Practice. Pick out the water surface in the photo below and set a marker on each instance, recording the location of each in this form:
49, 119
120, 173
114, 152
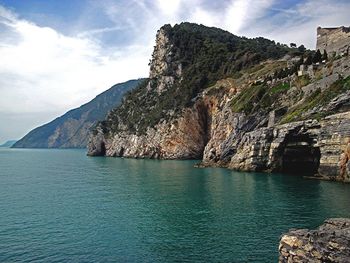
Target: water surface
61, 206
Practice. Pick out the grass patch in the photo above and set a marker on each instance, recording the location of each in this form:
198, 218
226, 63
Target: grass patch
281, 87
317, 99
252, 99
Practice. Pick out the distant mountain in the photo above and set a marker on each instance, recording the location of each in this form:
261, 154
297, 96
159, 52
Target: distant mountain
71, 130
8, 144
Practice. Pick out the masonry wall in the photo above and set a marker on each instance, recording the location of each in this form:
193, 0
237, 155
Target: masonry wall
333, 40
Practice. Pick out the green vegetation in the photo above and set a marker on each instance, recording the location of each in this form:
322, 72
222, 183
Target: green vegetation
258, 97
302, 81
283, 86
317, 57
317, 99
206, 55
252, 99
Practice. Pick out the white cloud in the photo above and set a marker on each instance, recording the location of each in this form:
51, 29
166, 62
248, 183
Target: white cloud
45, 69
204, 17
169, 7
298, 24
44, 73
236, 15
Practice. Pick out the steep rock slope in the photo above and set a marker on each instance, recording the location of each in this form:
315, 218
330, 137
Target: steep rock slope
237, 103
166, 117
303, 129
71, 129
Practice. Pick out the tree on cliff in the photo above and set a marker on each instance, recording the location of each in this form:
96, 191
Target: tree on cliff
317, 57
308, 60
325, 56
302, 48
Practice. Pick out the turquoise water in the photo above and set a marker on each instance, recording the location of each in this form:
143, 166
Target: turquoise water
61, 206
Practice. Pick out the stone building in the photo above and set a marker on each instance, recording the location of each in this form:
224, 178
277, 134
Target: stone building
334, 40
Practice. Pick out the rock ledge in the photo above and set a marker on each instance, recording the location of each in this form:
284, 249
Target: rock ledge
329, 243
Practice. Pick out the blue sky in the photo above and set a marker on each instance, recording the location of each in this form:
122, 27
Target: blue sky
57, 55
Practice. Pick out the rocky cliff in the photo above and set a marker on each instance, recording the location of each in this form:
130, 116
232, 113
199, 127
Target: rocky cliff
71, 130
307, 130
168, 116
236, 103
329, 243
333, 40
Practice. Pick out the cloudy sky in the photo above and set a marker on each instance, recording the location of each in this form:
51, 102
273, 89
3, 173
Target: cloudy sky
57, 55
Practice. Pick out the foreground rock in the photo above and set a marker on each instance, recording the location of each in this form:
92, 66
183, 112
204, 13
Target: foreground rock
329, 243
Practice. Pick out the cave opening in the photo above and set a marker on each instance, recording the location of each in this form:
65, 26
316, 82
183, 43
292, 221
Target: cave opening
103, 149
121, 152
300, 156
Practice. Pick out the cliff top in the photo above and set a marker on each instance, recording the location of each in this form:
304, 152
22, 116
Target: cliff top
187, 58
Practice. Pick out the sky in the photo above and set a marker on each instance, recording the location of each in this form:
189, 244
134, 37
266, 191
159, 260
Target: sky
57, 55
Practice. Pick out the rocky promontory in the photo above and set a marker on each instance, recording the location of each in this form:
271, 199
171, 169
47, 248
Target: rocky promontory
329, 243
244, 104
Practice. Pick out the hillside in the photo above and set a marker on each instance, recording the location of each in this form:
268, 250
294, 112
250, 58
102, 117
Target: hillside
187, 59
71, 129
8, 144
245, 104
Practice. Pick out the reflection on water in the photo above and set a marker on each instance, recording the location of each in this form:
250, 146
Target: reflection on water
59, 205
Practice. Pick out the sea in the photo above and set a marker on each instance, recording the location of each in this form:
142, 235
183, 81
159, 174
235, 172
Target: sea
63, 206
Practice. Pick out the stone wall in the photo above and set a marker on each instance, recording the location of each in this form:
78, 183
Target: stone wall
333, 39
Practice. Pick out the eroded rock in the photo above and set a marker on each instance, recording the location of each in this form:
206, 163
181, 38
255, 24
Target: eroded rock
329, 243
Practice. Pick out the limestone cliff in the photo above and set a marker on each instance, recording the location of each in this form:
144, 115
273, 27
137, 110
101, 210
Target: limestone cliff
168, 116
71, 130
316, 144
333, 40
223, 99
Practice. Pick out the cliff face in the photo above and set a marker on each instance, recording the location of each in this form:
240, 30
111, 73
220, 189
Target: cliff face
255, 116
169, 116
71, 130
329, 243
335, 40
183, 137
316, 145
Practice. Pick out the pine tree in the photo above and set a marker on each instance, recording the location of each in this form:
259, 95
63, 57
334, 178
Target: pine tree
302, 48
308, 60
317, 57
325, 55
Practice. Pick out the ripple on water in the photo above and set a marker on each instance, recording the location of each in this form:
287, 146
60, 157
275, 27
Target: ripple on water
61, 206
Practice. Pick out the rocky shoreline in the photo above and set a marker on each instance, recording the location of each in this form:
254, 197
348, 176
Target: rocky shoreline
252, 121
329, 243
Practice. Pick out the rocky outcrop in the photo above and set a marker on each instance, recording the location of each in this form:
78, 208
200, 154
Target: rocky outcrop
171, 116
72, 129
181, 138
329, 243
310, 147
333, 40
163, 70
251, 121
313, 147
